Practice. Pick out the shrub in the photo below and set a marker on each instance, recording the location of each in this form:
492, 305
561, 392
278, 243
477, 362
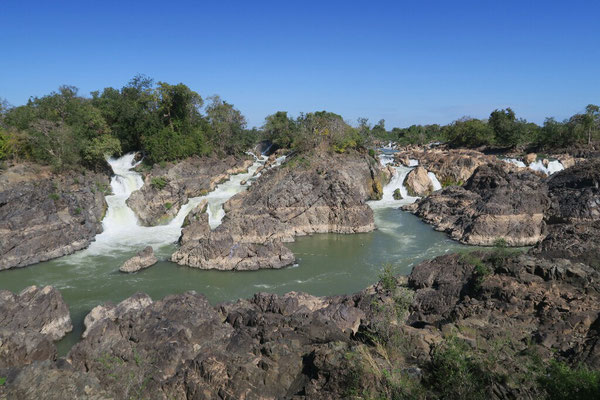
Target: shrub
449, 181
372, 153
54, 196
457, 374
562, 382
159, 182
2, 380
397, 194
387, 279
168, 205
77, 211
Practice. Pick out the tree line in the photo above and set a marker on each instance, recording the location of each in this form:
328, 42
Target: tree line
168, 122
502, 129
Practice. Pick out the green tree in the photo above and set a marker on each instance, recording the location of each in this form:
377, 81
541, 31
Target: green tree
280, 129
469, 132
227, 127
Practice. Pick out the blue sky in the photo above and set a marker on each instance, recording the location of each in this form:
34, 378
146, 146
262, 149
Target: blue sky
404, 61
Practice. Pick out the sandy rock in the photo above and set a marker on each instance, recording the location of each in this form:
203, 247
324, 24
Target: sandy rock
418, 183
144, 259
530, 158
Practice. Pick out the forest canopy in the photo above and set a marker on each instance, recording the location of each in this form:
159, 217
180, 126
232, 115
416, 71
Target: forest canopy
168, 122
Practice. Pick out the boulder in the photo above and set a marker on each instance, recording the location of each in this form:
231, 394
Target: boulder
530, 158
418, 183
144, 259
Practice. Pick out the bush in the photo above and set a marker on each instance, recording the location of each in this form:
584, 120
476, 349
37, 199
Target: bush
397, 194
159, 182
562, 382
168, 205
387, 279
457, 374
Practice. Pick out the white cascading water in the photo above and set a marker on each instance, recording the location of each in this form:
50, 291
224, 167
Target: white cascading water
436, 183
121, 230
553, 166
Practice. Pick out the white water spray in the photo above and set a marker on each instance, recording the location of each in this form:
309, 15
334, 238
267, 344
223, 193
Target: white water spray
121, 230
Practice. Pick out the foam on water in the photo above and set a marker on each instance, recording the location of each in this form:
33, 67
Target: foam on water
121, 229
436, 183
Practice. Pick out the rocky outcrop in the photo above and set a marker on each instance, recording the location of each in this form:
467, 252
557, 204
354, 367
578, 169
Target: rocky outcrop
493, 204
166, 188
182, 347
143, 259
29, 324
451, 166
418, 183
44, 215
555, 303
301, 346
316, 194
574, 215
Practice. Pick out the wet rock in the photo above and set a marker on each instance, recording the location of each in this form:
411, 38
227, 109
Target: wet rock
144, 259
44, 215
493, 204
397, 194
418, 183
196, 214
174, 183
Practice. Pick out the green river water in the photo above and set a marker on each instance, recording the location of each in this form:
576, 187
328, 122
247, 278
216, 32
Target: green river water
327, 264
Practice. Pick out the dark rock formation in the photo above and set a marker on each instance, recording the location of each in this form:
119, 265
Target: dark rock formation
167, 188
493, 204
29, 323
317, 194
302, 346
574, 215
143, 259
45, 215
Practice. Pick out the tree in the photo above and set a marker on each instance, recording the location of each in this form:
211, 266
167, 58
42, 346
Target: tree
280, 129
592, 120
227, 127
506, 127
469, 132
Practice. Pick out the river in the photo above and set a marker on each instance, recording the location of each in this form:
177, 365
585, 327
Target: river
327, 264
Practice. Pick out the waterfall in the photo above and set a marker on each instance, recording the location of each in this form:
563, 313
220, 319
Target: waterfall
436, 183
538, 165
553, 166
122, 232
396, 182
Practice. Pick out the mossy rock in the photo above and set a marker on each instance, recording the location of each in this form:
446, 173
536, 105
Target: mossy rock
397, 194
377, 190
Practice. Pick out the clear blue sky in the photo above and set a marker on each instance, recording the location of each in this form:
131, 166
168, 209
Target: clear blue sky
404, 61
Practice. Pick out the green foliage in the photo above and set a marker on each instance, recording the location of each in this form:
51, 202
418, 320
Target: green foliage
2, 380
97, 149
468, 132
387, 278
456, 374
280, 129
372, 153
397, 194
54, 196
77, 211
159, 182
449, 181
168, 205
562, 382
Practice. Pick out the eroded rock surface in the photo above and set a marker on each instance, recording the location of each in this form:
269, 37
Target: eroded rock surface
318, 194
167, 188
493, 204
44, 215
29, 324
